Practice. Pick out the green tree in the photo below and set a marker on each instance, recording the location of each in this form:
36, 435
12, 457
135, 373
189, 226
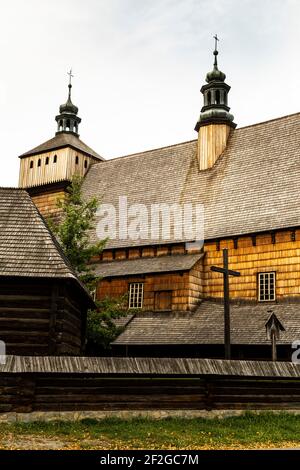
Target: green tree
72, 228
73, 225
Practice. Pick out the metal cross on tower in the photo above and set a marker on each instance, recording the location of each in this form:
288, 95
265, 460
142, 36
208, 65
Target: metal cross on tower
216, 41
226, 273
70, 77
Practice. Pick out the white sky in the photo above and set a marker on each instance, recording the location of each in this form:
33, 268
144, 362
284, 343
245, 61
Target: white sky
138, 66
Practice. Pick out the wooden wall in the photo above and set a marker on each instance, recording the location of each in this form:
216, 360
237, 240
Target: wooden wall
177, 283
196, 291
39, 316
75, 392
47, 202
212, 140
278, 253
63, 169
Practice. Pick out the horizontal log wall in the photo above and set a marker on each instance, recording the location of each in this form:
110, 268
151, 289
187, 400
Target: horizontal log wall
278, 253
27, 323
71, 392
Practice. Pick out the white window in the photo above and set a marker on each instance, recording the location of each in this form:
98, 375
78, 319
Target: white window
266, 287
136, 294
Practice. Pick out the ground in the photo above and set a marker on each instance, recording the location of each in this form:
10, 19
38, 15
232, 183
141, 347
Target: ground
249, 431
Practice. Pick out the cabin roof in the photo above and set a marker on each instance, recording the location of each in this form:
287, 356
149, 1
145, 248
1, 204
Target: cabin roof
253, 187
27, 247
158, 264
62, 140
206, 325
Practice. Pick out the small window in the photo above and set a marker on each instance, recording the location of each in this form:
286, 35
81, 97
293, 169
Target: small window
47, 161
39, 162
31, 164
266, 287
136, 295
55, 159
76, 160
85, 163
208, 98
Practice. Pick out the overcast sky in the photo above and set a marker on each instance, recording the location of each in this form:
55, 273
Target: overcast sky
138, 66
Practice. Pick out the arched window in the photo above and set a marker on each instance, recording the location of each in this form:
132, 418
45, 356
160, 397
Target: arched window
60, 125
76, 160
68, 125
55, 159
39, 162
85, 164
47, 161
217, 100
208, 98
31, 164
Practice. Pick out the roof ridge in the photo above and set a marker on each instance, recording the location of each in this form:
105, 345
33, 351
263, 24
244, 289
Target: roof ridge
150, 150
268, 120
15, 188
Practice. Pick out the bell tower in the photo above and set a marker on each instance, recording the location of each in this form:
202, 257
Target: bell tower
46, 170
67, 119
215, 122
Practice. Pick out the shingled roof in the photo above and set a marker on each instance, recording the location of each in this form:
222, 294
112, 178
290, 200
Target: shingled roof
206, 325
27, 248
253, 187
60, 141
159, 264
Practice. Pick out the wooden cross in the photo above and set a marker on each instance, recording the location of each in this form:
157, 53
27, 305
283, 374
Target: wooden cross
273, 329
216, 42
226, 273
70, 77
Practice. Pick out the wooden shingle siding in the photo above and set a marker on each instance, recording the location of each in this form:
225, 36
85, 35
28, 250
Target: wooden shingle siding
283, 257
177, 283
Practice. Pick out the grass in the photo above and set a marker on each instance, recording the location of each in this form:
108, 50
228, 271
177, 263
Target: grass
248, 431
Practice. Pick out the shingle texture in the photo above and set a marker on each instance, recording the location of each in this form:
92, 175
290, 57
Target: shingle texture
26, 246
254, 185
62, 140
147, 265
206, 325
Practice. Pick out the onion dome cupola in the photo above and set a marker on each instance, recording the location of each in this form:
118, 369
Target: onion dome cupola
67, 119
215, 93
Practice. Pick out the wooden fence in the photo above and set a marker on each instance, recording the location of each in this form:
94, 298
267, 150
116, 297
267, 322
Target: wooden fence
76, 384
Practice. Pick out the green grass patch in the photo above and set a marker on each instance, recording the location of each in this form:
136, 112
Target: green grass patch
247, 431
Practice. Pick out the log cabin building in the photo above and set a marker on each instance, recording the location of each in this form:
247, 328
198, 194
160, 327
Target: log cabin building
43, 305
246, 178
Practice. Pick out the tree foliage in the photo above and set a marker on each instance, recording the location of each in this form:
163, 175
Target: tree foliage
72, 228
101, 328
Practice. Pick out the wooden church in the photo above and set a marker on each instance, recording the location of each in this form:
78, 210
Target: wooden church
247, 180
